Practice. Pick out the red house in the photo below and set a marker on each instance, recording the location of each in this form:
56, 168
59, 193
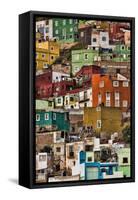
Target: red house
86, 72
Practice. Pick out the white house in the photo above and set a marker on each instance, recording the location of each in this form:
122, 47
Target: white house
45, 27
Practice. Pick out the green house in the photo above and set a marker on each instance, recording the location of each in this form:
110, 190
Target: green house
65, 30
124, 161
121, 53
83, 57
53, 120
44, 104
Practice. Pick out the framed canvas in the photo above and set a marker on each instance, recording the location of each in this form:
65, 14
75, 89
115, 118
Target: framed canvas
76, 99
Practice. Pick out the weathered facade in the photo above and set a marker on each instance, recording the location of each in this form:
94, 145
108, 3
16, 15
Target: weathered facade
101, 118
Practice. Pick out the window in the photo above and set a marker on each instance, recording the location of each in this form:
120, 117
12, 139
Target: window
58, 149
72, 129
56, 23
70, 36
101, 84
85, 104
47, 22
45, 65
125, 83
89, 159
117, 101
71, 29
52, 48
37, 117
88, 147
54, 116
64, 22
47, 29
94, 40
43, 55
108, 99
52, 57
42, 157
56, 31
98, 108
82, 34
125, 103
86, 56
75, 29
71, 99
125, 160
70, 21
59, 100
66, 116
117, 95
98, 123
71, 152
46, 116
103, 38
99, 99
116, 83
122, 47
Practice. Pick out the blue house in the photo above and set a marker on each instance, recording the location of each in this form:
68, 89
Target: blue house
53, 120
98, 170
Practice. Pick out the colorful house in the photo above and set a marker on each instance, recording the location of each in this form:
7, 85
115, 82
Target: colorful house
121, 53
41, 166
85, 31
65, 30
46, 53
53, 120
101, 118
124, 159
111, 91
100, 39
44, 104
83, 57
90, 170
45, 27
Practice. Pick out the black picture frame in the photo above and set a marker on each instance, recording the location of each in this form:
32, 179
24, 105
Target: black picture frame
27, 99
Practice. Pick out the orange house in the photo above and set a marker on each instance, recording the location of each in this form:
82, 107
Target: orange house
111, 91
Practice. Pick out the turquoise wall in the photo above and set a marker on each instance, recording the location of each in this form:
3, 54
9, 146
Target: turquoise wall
60, 121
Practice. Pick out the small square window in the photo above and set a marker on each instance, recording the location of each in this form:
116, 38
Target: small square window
58, 149
89, 159
125, 83
116, 83
125, 160
103, 38
43, 55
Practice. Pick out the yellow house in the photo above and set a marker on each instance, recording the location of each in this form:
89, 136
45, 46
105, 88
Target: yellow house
46, 53
104, 120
